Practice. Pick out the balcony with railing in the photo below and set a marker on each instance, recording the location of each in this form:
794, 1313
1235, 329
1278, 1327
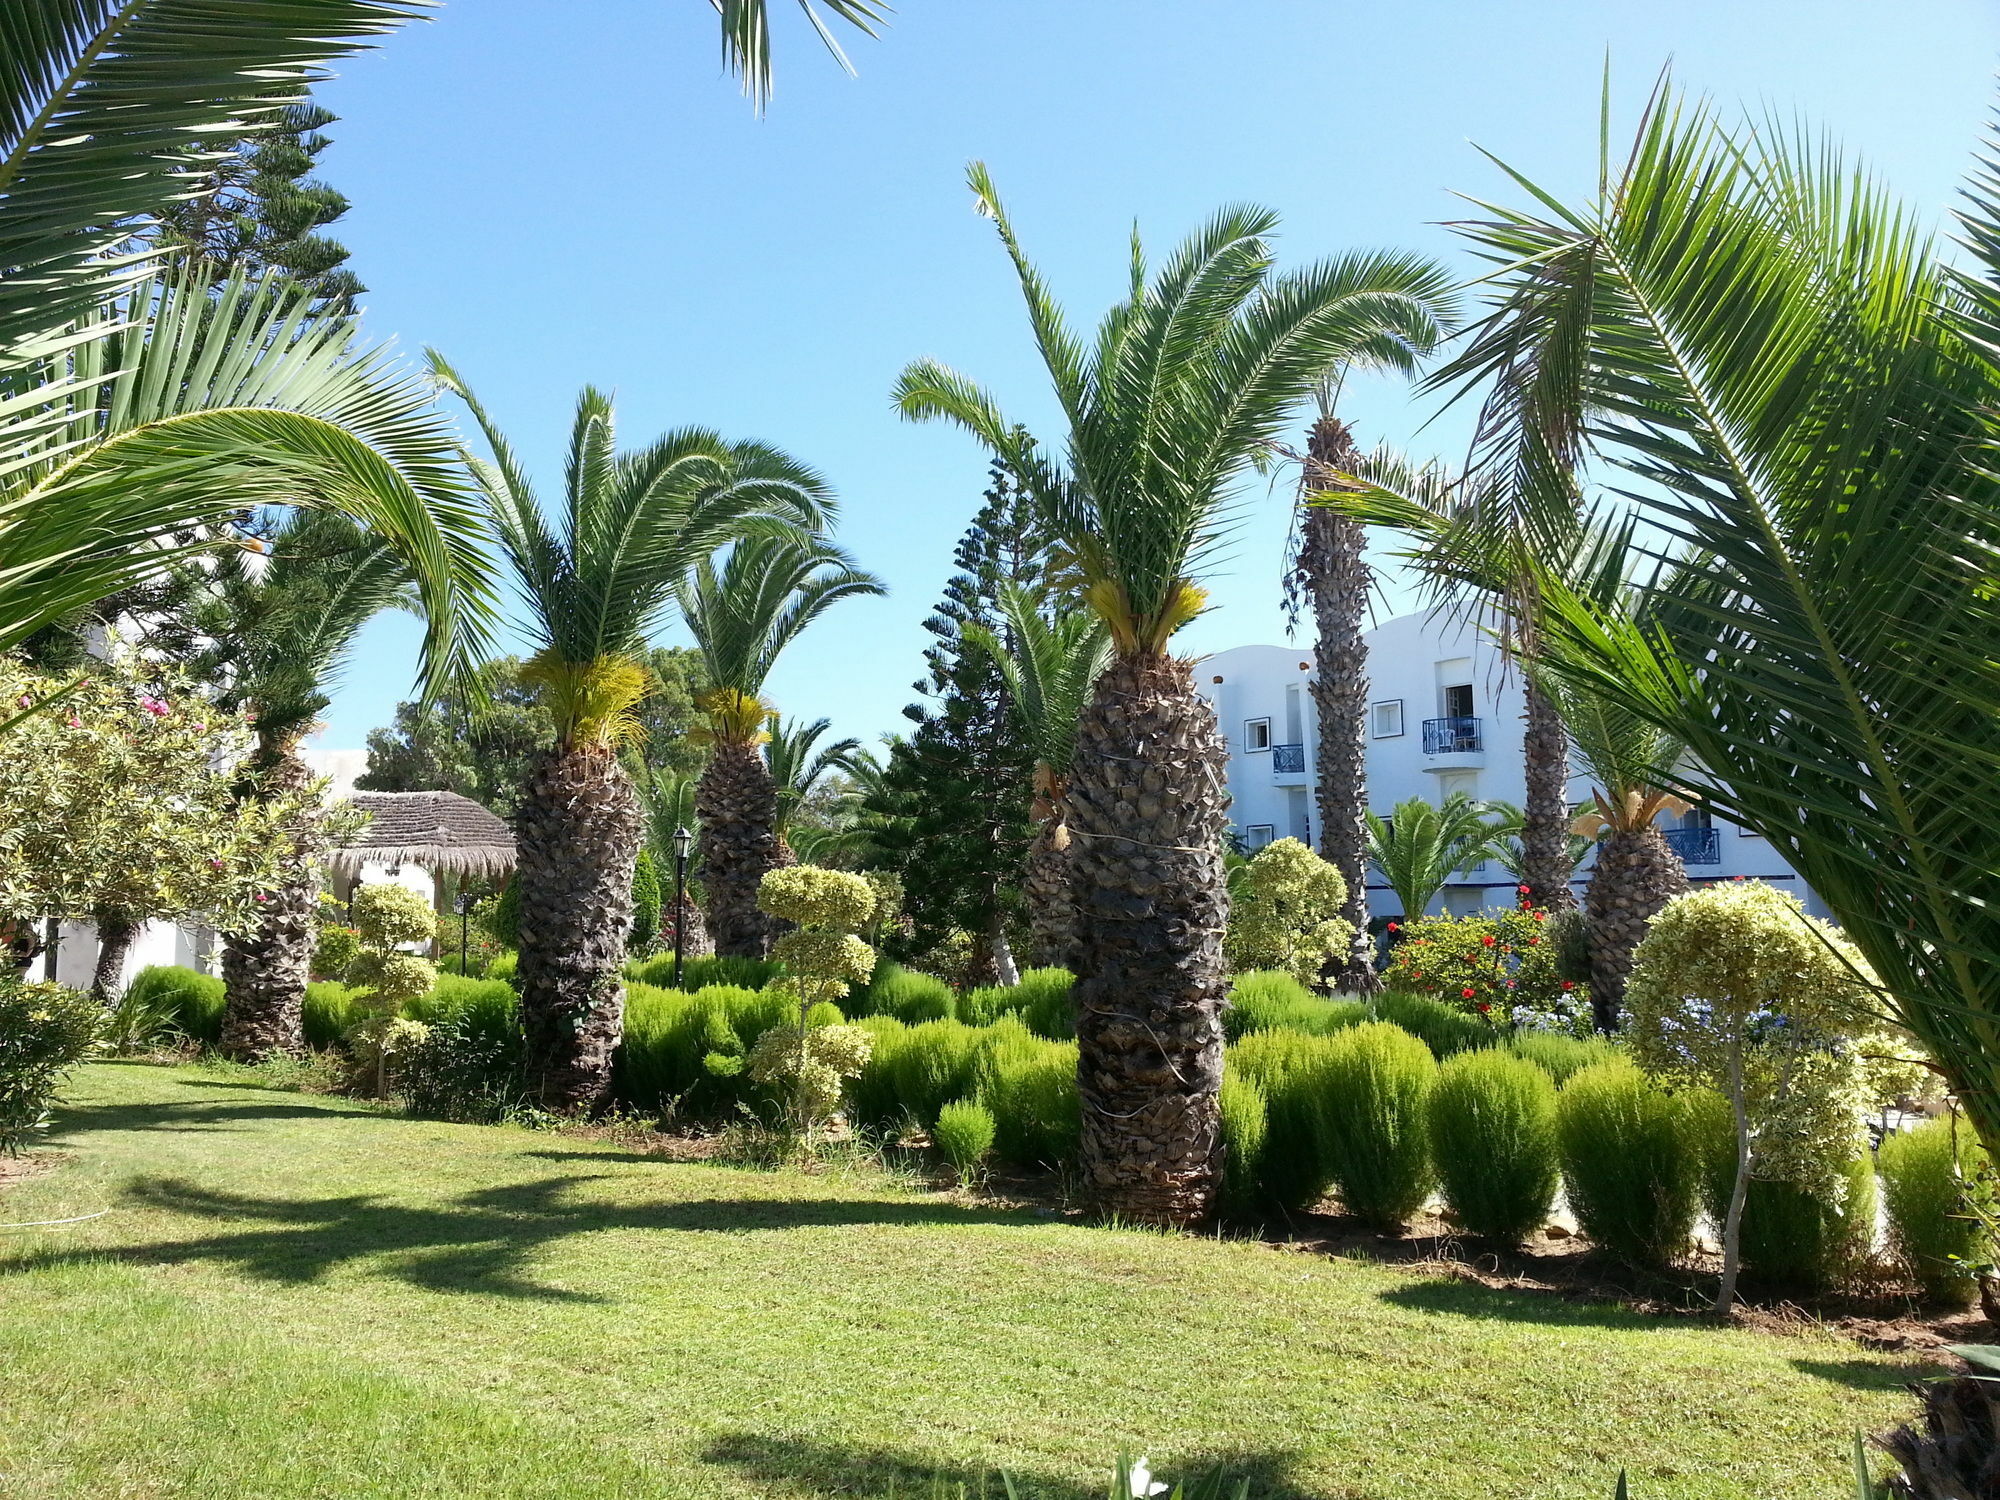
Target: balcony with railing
1454, 744
1288, 760
1695, 846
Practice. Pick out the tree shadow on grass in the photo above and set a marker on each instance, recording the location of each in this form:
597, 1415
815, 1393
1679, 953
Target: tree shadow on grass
1471, 1299
823, 1469
476, 1243
1870, 1375
187, 1114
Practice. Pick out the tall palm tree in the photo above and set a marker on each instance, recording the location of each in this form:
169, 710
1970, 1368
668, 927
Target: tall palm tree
666, 807
593, 581
1187, 385
1049, 660
743, 615
283, 627
798, 764
1805, 385
1420, 846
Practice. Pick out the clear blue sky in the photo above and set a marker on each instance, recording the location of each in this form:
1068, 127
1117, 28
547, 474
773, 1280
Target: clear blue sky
556, 194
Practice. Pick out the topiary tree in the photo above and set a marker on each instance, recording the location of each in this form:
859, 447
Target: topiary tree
386, 917
823, 958
646, 899
1285, 914
1735, 988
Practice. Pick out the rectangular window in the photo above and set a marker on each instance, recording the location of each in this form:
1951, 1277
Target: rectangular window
1386, 719
1458, 701
1257, 835
1257, 734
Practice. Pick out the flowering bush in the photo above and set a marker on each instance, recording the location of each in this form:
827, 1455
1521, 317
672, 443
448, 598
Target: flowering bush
124, 803
1284, 913
45, 1030
1735, 988
1500, 965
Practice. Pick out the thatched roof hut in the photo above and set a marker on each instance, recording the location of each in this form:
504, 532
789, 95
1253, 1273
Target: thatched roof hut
441, 832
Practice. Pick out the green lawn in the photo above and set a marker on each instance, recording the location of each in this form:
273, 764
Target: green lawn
294, 1296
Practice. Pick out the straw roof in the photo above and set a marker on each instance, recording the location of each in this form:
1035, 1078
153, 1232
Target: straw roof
439, 831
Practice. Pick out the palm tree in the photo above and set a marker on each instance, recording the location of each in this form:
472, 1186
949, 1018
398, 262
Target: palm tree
593, 583
797, 768
1805, 386
282, 633
743, 615
1187, 386
666, 807
1049, 662
1419, 847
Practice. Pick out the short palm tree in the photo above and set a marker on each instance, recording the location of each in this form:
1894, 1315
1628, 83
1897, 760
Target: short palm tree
1803, 385
594, 580
1186, 386
1049, 660
798, 763
281, 633
743, 614
666, 807
1420, 846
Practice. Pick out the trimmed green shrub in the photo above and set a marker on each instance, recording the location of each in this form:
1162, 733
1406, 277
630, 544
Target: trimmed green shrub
646, 899
696, 973
1270, 1000
1493, 1138
1441, 1028
909, 996
871, 1095
690, 1047
933, 1065
1289, 1068
503, 918
504, 966
1928, 1178
195, 1001
1246, 1128
987, 1004
1801, 1238
963, 1135
1559, 1056
1029, 1083
1631, 1162
1045, 1003
329, 1013
1378, 1081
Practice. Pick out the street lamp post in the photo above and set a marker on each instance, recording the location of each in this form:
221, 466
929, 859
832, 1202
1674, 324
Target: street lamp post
463, 902
682, 840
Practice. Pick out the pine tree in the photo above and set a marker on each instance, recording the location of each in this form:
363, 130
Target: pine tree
957, 789
263, 209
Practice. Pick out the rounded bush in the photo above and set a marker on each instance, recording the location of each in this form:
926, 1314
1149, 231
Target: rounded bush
910, 997
329, 1013
1630, 1160
192, 1001
1378, 1082
1493, 1138
1029, 1083
871, 1094
1271, 1000
1443, 1029
963, 1135
1289, 1068
387, 916
816, 897
1928, 1178
1045, 1003
933, 1065
1560, 1056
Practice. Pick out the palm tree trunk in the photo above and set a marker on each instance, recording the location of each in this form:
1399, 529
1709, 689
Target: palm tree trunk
1046, 885
115, 932
1636, 875
577, 837
1333, 570
1545, 817
736, 803
1147, 808
264, 972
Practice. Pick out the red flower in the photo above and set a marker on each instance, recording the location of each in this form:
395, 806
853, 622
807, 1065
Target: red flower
1416, 976
1523, 890
1510, 984
1488, 940
1465, 994
1569, 984
1541, 916
1484, 1008
1740, 877
1394, 928
1534, 940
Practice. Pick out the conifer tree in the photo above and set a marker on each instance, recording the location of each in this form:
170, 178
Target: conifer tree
959, 784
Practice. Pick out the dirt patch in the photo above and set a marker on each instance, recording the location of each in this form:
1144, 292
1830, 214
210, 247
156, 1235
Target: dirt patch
15, 1169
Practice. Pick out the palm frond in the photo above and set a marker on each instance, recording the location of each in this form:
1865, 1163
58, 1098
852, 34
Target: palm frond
746, 35
1420, 846
1049, 662
797, 767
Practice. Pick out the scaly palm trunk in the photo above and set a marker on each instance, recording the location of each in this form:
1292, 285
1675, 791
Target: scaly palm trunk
264, 972
577, 839
1636, 875
1147, 808
1333, 569
1545, 816
736, 803
1047, 888
115, 932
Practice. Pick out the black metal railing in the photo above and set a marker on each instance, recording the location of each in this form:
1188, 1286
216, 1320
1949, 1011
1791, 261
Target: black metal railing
1695, 846
1451, 736
1287, 759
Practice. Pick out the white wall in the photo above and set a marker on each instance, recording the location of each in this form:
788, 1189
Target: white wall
1413, 659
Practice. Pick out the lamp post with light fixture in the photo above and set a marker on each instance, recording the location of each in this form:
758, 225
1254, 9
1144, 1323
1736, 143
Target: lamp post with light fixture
683, 840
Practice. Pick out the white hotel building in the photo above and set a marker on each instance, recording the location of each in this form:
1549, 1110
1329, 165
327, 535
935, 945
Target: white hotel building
1444, 716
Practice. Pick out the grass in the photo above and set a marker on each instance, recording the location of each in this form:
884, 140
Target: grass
299, 1296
